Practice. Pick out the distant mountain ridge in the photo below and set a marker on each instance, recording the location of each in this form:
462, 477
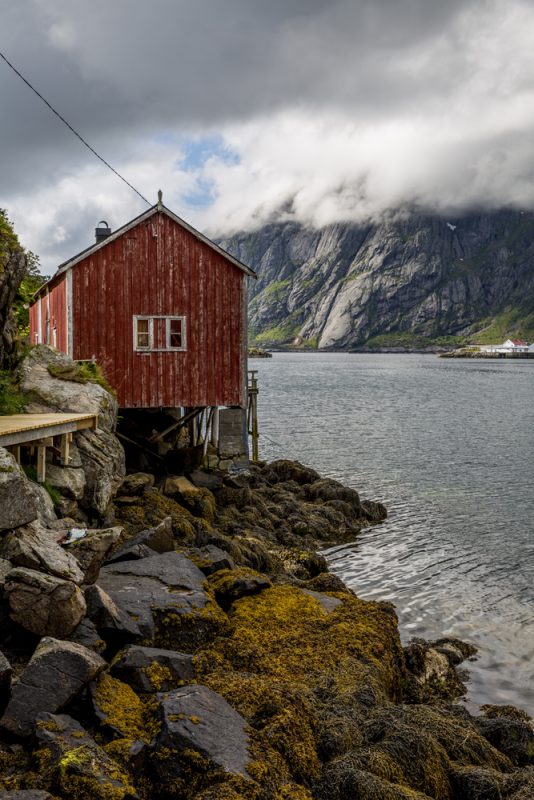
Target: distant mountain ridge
406, 282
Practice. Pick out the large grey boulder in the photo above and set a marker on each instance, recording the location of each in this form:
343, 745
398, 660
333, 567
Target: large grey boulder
102, 457
37, 548
43, 604
69, 481
49, 393
110, 620
90, 770
46, 513
165, 597
18, 504
91, 551
146, 543
197, 721
55, 674
151, 669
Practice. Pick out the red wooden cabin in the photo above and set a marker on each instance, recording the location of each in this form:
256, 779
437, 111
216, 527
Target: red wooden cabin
160, 307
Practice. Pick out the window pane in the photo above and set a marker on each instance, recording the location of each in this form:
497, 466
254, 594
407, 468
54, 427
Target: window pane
175, 333
143, 334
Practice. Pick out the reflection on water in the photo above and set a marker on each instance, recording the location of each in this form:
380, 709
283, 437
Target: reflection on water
447, 446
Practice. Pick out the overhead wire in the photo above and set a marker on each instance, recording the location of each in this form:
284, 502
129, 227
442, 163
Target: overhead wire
75, 132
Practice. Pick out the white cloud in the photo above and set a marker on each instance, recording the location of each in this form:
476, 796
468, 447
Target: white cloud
338, 113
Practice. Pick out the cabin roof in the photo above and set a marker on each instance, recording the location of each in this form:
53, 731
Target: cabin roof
518, 342
158, 207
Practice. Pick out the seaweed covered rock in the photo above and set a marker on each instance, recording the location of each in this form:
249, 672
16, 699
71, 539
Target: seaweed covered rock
120, 710
432, 668
55, 674
152, 669
230, 585
74, 763
289, 658
153, 508
43, 604
164, 595
510, 731
198, 728
18, 505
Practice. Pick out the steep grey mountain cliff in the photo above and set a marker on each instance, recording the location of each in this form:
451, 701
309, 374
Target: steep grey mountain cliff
410, 281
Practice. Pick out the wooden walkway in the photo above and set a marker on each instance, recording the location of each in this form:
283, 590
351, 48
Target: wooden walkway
38, 431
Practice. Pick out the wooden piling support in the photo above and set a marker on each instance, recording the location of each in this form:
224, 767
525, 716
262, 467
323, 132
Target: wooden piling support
253, 413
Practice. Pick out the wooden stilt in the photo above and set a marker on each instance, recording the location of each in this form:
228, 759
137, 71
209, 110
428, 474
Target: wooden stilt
15, 450
41, 463
65, 449
253, 414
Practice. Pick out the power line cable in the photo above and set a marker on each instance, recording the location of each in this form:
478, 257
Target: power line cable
64, 121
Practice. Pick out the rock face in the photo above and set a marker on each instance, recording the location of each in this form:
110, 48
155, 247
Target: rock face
18, 505
43, 604
56, 673
406, 279
194, 718
103, 463
49, 393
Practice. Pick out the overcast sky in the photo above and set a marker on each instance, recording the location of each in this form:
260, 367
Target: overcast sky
246, 111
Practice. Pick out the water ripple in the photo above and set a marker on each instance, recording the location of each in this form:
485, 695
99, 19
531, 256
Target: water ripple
447, 446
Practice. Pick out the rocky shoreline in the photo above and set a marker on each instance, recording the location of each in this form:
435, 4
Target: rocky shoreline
182, 638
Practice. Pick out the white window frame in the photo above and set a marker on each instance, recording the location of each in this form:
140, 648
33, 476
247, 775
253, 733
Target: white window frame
141, 318
168, 321
168, 318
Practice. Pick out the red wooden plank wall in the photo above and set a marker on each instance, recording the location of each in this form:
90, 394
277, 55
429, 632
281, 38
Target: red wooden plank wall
53, 304
159, 268
34, 322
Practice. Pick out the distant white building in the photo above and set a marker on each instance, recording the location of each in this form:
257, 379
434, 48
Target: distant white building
508, 347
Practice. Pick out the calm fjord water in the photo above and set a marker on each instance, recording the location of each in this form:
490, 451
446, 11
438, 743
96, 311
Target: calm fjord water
448, 446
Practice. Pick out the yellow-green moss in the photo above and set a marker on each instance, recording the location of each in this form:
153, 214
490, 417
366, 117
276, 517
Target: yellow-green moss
282, 648
109, 783
158, 675
124, 711
287, 635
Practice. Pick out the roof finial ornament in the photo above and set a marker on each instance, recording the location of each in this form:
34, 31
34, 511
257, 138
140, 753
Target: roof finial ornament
160, 197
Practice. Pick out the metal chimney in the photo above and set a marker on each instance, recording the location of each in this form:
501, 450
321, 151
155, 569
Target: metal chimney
102, 233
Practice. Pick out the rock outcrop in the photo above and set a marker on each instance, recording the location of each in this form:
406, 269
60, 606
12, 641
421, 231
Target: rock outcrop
97, 467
